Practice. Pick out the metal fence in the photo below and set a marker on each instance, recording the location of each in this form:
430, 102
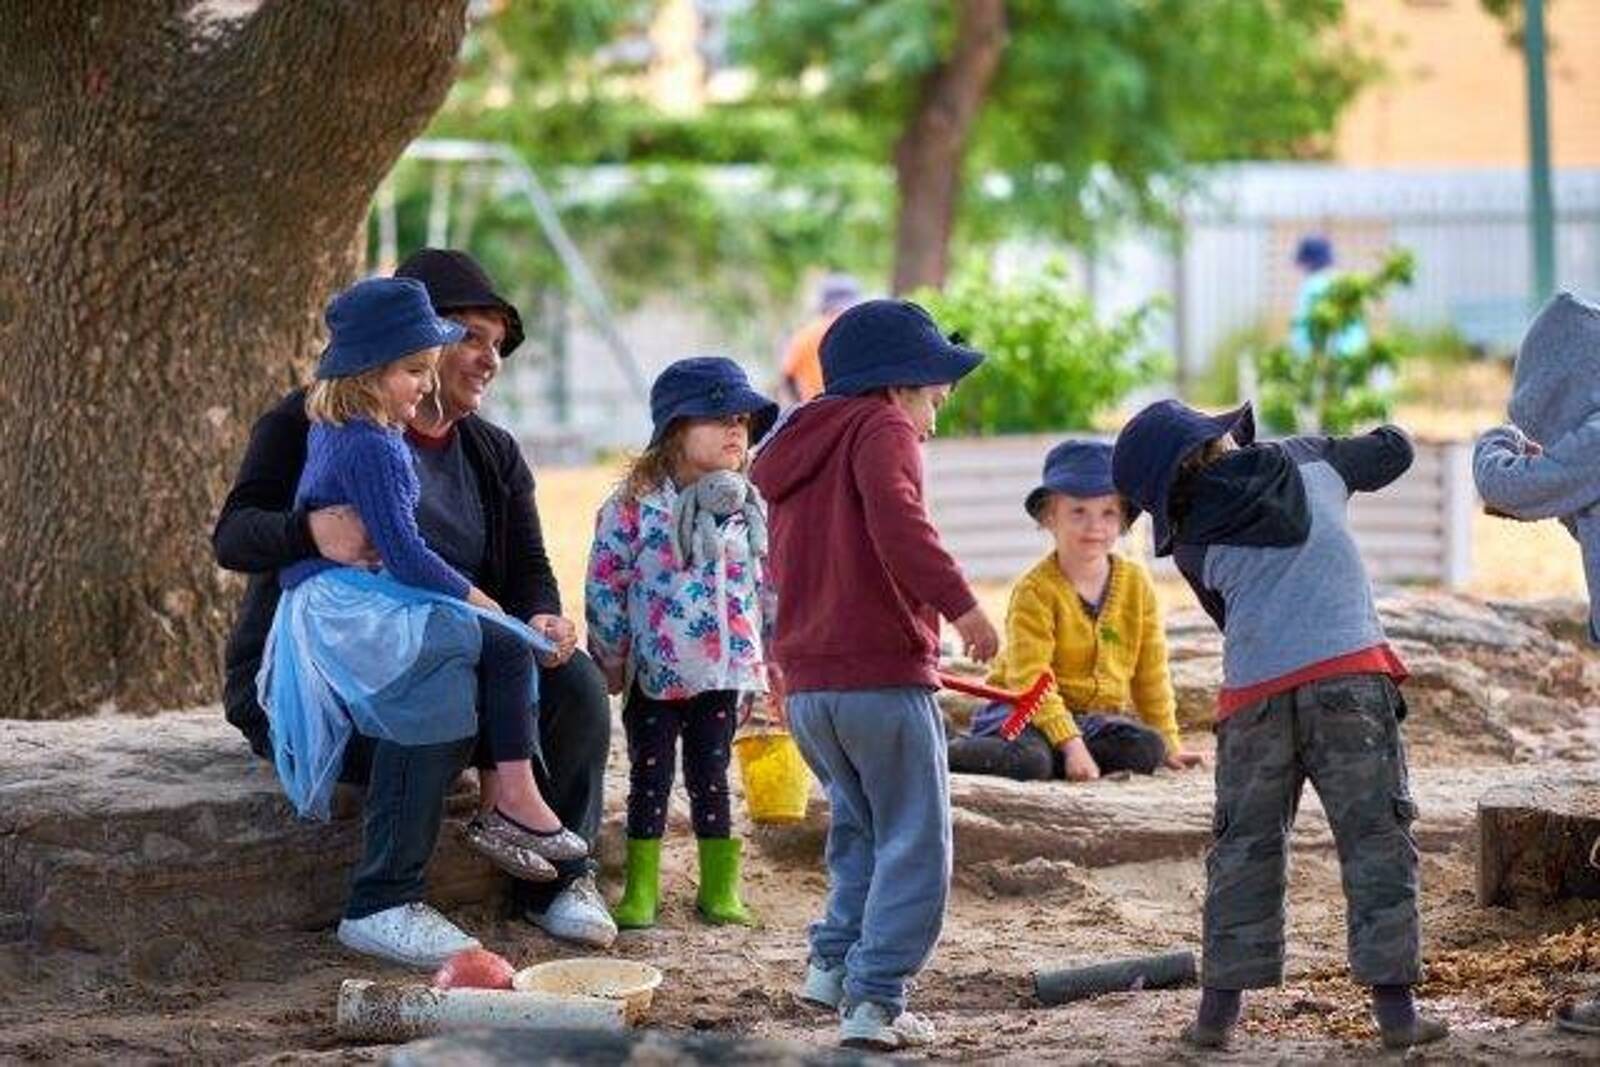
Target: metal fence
1417, 529
1228, 266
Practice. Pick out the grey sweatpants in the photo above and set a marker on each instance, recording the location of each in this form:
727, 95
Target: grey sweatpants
1343, 734
880, 755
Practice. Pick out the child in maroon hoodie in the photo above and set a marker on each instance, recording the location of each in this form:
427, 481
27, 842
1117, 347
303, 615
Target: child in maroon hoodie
861, 580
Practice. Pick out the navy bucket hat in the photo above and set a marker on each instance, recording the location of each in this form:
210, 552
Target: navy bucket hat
378, 321
883, 343
1073, 468
707, 387
1314, 252
1145, 459
456, 282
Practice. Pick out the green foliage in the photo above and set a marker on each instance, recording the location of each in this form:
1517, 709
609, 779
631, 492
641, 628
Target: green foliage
740, 244
1440, 345
1097, 104
542, 75
548, 78
1051, 365
1219, 386
1325, 390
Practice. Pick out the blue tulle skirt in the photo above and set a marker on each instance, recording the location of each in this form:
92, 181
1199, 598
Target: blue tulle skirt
351, 651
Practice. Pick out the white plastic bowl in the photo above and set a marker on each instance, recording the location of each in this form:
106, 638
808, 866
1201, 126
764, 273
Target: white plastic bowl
629, 981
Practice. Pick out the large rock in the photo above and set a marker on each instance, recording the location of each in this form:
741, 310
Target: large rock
1499, 680
1491, 684
1001, 826
162, 840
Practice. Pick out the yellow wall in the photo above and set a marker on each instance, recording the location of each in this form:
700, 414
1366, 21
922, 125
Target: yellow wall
1455, 89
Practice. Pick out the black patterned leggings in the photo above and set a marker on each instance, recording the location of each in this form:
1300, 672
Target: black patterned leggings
707, 723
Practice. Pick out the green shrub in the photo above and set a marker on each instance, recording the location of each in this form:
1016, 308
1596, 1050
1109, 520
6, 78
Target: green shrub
1051, 364
1220, 384
1327, 391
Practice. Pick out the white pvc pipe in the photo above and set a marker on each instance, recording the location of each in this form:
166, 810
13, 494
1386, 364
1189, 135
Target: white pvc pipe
386, 1011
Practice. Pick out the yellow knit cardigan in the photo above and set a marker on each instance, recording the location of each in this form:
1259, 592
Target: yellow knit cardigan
1116, 663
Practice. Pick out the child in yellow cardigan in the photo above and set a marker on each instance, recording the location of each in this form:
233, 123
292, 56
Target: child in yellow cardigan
1090, 616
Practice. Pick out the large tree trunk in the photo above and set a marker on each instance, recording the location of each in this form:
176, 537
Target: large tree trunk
928, 156
181, 185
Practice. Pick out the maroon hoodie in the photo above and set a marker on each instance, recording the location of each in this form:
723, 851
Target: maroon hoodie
860, 574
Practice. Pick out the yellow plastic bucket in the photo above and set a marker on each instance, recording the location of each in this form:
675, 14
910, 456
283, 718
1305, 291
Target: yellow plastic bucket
776, 780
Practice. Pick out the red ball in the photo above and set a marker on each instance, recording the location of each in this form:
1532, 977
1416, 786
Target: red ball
474, 968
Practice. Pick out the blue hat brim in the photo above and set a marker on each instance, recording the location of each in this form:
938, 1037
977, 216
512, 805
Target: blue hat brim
762, 411
943, 366
440, 332
1085, 488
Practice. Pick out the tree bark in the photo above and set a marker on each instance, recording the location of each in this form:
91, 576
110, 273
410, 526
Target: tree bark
928, 157
1539, 843
180, 188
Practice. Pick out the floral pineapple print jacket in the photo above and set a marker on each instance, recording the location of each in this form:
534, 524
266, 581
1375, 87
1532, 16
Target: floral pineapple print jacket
678, 630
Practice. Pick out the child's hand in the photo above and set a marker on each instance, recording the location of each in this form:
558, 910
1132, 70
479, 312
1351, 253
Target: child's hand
1183, 760
614, 678
978, 635
1081, 766
341, 536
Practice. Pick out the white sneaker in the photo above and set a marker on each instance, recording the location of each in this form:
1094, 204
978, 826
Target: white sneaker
578, 914
867, 1025
410, 934
823, 988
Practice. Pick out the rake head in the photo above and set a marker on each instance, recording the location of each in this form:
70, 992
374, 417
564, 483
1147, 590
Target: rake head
1027, 703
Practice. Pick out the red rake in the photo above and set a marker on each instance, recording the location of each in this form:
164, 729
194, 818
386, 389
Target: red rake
1023, 704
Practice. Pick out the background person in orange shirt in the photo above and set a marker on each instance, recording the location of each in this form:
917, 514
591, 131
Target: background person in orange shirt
802, 361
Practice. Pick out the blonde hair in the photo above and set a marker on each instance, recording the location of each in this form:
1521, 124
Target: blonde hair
360, 396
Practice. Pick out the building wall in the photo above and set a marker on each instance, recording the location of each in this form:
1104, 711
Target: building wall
1455, 92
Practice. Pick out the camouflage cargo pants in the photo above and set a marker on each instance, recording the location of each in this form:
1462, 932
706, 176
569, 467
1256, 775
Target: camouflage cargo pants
1343, 734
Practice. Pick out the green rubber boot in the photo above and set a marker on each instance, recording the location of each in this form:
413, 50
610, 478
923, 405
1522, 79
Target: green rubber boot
637, 908
718, 899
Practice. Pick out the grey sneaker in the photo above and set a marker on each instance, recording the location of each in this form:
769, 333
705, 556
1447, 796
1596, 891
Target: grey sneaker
1207, 1037
823, 988
411, 934
578, 914
1420, 1032
506, 851
868, 1025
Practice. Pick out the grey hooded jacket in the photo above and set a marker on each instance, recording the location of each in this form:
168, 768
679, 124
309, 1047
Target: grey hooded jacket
1555, 402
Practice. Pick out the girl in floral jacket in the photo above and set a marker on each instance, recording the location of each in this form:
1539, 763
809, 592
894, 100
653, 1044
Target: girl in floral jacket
679, 608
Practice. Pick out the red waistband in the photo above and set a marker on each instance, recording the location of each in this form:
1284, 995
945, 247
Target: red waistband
1378, 659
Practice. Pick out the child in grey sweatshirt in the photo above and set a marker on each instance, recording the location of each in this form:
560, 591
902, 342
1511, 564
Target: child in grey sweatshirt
1310, 692
1546, 463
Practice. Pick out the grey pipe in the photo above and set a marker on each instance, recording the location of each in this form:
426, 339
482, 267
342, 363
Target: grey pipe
1139, 972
